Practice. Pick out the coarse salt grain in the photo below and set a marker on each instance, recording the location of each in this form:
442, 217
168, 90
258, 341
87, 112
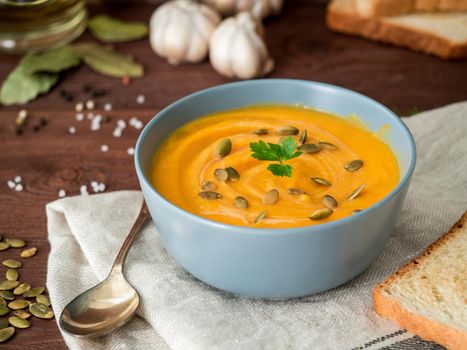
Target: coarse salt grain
79, 107
90, 116
140, 99
19, 187
11, 184
121, 123
83, 190
79, 117
130, 151
117, 132
107, 107
18, 179
61, 193
90, 104
104, 148
72, 130
101, 187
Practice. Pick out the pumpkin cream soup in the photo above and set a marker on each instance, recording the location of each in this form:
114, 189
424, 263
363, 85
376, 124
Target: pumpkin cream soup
274, 166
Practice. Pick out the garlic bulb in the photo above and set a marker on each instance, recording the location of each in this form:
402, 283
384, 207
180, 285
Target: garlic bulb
259, 8
180, 30
237, 49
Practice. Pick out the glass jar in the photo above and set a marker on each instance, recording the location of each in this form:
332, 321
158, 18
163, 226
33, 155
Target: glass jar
32, 25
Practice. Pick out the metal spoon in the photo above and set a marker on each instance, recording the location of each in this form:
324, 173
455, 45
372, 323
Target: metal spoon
112, 302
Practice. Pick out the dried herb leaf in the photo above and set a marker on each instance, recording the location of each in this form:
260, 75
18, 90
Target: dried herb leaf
107, 61
113, 30
52, 61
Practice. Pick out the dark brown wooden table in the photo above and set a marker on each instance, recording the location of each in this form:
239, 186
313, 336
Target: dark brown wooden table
52, 158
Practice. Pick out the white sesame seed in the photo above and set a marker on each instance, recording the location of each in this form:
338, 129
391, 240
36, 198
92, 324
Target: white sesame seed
90, 104
140, 99
121, 123
107, 107
61, 193
104, 148
79, 117
72, 130
130, 151
79, 107
11, 184
18, 179
23, 114
19, 187
101, 187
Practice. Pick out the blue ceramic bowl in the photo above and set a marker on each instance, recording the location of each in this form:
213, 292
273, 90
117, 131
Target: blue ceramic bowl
275, 263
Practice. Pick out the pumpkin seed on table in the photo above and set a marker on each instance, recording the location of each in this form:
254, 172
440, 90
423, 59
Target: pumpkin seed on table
12, 264
240, 202
41, 310
221, 174
310, 148
327, 145
15, 242
209, 195
224, 148
271, 197
260, 132
354, 165
295, 191
11, 275
6, 333
303, 136
2, 301
7, 285
261, 216
43, 299
4, 323
321, 214
207, 185
18, 304
34, 292
287, 130
18, 322
4, 310
4, 246
356, 192
233, 174
321, 181
6, 294
21, 313
23, 287
27, 253
329, 201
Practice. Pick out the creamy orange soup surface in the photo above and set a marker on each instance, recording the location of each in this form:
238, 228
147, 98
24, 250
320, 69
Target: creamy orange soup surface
350, 167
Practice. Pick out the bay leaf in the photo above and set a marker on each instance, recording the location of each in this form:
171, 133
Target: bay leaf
113, 30
20, 87
52, 61
105, 60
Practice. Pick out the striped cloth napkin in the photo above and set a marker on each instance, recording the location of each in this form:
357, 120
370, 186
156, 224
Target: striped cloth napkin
181, 313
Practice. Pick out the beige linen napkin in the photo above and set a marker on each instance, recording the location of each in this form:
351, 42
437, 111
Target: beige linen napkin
182, 313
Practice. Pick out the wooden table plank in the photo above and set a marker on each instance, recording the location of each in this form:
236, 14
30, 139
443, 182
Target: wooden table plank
52, 158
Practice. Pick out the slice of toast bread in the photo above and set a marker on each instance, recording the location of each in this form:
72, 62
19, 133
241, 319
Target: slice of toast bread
440, 34
428, 296
380, 8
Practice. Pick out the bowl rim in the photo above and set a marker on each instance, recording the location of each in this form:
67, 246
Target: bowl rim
247, 230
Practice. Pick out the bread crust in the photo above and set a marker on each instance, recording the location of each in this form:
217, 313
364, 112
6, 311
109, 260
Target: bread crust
380, 30
379, 8
388, 307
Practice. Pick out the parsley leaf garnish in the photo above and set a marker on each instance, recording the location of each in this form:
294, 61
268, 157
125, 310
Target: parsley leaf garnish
276, 152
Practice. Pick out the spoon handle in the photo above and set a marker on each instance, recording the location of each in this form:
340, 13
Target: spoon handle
142, 219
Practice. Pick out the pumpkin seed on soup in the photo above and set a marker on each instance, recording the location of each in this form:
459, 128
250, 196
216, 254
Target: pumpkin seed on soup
287, 130
15, 242
329, 201
6, 333
7, 285
208, 185
27, 253
221, 174
18, 304
233, 174
354, 165
310, 148
261, 216
34, 292
321, 181
327, 145
321, 214
303, 136
12, 264
43, 299
224, 148
19, 322
209, 195
356, 192
295, 191
11, 275
4, 246
271, 197
22, 288
240, 202
260, 131
41, 310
